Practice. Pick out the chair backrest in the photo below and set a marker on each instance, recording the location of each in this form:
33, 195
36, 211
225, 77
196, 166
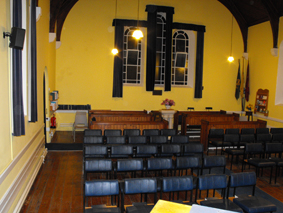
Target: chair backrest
112, 132
115, 139
232, 131
187, 162
214, 161
180, 139
92, 132
146, 150
131, 132
93, 139
212, 181
141, 139
254, 148
249, 138
159, 163
168, 132
121, 150
129, 165
262, 131
140, 185
273, 148
265, 138
277, 137
171, 149
216, 133
160, 139
95, 151
276, 130
81, 119
98, 165
242, 179
101, 188
150, 132
231, 138
247, 131
174, 184
193, 148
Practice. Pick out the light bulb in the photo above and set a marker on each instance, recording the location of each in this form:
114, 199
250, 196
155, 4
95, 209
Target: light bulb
230, 58
114, 51
137, 34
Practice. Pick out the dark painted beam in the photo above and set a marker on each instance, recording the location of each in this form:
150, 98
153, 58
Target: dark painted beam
274, 16
229, 4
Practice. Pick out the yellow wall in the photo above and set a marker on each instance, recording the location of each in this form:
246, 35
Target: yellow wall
84, 64
16, 152
263, 67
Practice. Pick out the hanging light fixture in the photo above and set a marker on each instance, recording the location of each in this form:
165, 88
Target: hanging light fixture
137, 34
231, 58
115, 50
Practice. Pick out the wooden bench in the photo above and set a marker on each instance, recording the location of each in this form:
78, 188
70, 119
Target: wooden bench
129, 125
207, 125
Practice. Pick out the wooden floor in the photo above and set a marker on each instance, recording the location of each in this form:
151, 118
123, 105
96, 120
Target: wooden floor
58, 186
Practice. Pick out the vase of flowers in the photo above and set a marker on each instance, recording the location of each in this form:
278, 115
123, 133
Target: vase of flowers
168, 103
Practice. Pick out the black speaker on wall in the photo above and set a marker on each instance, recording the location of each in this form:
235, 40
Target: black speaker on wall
17, 37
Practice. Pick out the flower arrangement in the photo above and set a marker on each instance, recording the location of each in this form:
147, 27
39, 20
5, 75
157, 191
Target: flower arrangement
168, 102
249, 107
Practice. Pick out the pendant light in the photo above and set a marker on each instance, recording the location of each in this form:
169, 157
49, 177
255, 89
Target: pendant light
115, 50
137, 34
231, 58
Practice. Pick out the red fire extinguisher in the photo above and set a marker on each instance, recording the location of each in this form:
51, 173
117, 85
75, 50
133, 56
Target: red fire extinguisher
53, 121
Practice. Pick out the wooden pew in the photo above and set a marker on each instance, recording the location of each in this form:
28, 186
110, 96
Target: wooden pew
129, 125
207, 125
195, 120
181, 115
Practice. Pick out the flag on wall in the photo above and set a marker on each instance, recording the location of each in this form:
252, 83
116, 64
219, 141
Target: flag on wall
247, 91
238, 83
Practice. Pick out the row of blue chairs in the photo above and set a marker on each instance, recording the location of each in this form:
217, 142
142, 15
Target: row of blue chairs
158, 165
141, 139
141, 150
144, 186
130, 132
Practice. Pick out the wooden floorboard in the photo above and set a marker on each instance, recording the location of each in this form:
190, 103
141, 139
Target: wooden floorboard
58, 186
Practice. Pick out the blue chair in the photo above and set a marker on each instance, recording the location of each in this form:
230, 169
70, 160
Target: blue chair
277, 138
215, 139
180, 139
168, 132
276, 131
92, 132
115, 139
97, 166
258, 163
150, 132
159, 164
247, 131
249, 203
93, 139
95, 151
263, 138
112, 132
170, 150
211, 181
210, 162
137, 139
178, 184
146, 151
138, 186
99, 188
131, 132
232, 131
121, 151
262, 131
158, 139
275, 148
129, 165
187, 162
193, 149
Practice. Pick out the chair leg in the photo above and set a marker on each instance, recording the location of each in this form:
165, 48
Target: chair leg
276, 172
231, 161
270, 174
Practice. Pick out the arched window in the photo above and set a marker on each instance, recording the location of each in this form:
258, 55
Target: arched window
183, 57
132, 57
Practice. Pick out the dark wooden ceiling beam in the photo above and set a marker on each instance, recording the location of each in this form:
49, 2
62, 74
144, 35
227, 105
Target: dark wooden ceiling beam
229, 4
55, 6
274, 16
